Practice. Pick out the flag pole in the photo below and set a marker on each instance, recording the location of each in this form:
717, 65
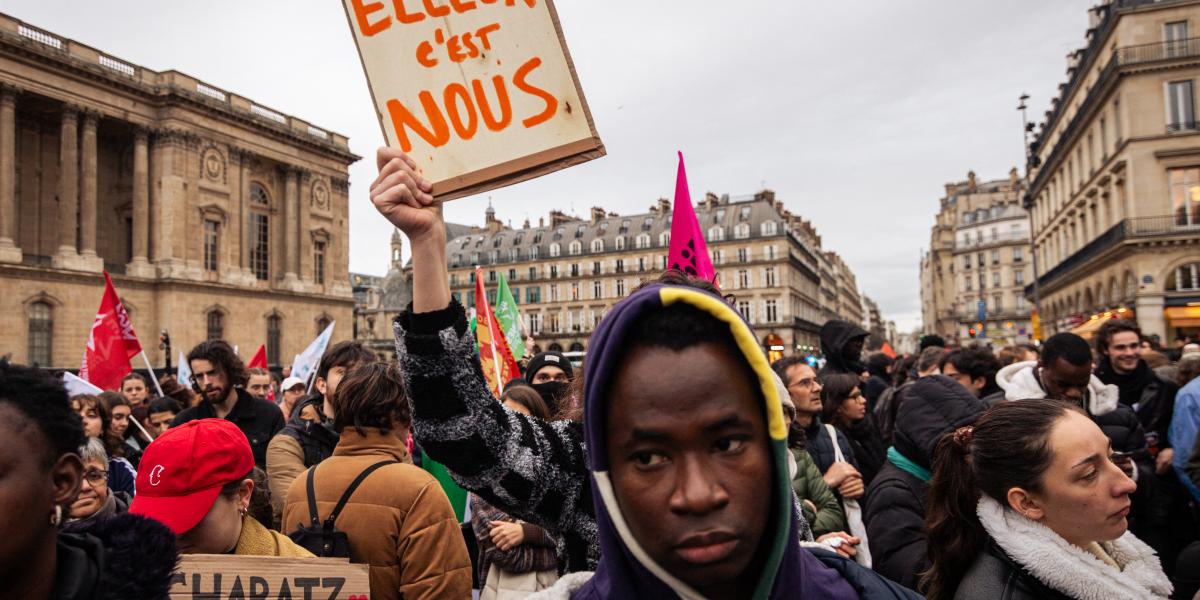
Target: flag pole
140, 428
152, 378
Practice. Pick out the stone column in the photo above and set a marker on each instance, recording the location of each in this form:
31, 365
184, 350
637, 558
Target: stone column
67, 256
9, 252
1150, 314
304, 244
291, 229
87, 194
140, 265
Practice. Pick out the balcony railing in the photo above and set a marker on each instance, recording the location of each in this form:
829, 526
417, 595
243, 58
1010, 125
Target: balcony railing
1184, 126
1121, 57
1128, 229
989, 240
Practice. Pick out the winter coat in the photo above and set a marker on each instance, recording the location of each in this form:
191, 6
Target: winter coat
1021, 382
867, 444
876, 384
304, 441
126, 556
122, 477
834, 336
1150, 398
820, 446
894, 511
258, 419
1028, 560
256, 540
1185, 427
531, 469
117, 503
809, 486
398, 521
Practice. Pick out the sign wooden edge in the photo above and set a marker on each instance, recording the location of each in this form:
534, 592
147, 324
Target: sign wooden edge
517, 170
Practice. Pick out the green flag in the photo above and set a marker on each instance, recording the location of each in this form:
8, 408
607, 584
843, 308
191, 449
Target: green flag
509, 318
456, 495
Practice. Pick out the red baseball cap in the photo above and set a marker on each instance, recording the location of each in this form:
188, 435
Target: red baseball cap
183, 470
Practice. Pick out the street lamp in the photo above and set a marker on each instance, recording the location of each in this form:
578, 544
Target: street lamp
1027, 202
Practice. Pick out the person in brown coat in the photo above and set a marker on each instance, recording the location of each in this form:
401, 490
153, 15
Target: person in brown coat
399, 520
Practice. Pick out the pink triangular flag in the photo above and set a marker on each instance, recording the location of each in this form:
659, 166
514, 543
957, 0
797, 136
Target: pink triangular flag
688, 252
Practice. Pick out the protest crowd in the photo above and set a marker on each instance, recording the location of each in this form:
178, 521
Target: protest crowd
675, 461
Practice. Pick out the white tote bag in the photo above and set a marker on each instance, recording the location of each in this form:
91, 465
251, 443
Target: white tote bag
852, 510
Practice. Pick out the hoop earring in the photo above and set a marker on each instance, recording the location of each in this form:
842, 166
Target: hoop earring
56, 516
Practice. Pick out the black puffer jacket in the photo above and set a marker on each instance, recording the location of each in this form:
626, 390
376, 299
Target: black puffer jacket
127, 556
835, 335
995, 576
1150, 397
894, 512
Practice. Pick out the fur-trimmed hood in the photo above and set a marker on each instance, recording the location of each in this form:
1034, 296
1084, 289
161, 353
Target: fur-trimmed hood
1020, 382
126, 556
1072, 570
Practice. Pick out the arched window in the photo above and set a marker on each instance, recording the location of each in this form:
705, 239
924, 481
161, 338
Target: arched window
260, 232
41, 330
769, 228
741, 231
664, 238
215, 322
274, 332
576, 347
555, 249
598, 245
620, 242
1185, 278
555, 347
716, 233
642, 241
575, 248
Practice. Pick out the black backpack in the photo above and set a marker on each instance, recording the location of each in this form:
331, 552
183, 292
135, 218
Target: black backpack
323, 539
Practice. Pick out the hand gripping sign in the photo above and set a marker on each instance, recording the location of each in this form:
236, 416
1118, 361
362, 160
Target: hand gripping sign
480, 93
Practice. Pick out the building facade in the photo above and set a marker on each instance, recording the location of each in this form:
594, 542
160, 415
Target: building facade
565, 273
979, 264
1115, 175
217, 217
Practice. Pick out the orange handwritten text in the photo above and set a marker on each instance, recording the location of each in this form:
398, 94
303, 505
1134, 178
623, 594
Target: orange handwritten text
462, 110
435, 9
458, 48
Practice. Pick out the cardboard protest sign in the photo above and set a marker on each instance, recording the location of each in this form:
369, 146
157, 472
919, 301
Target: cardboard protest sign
480, 93
225, 576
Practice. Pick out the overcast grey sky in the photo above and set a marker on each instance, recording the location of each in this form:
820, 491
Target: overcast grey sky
855, 113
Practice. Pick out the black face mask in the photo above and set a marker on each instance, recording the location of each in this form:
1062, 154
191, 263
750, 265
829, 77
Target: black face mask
550, 392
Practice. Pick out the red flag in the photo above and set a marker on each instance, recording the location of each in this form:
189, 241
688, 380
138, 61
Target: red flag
111, 343
887, 349
495, 358
259, 360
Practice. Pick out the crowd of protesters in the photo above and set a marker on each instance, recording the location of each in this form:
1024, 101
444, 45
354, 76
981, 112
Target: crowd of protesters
675, 462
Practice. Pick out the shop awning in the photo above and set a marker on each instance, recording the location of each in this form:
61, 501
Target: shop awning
1183, 316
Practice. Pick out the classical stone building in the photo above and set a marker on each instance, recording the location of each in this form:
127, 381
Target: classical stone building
979, 263
1115, 175
567, 272
215, 215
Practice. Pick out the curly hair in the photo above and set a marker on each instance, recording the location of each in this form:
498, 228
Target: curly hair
41, 398
222, 356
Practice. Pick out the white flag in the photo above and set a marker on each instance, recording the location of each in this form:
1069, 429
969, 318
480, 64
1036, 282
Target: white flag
76, 386
305, 363
183, 371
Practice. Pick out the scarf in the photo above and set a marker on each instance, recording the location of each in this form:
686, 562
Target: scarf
903, 463
1131, 384
1077, 572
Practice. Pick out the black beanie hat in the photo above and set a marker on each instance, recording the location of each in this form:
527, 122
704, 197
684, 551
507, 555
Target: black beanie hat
554, 359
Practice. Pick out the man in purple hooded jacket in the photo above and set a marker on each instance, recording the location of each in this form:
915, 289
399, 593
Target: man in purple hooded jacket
679, 485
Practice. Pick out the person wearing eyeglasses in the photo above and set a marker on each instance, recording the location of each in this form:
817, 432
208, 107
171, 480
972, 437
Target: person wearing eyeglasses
220, 377
95, 502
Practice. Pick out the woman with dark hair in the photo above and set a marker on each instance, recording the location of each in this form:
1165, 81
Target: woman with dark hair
97, 423
515, 558
197, 479
121, 557
398, 519
844, 407
121, 412
1029, 504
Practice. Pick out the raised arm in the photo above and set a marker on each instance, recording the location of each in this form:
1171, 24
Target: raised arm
402, 195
